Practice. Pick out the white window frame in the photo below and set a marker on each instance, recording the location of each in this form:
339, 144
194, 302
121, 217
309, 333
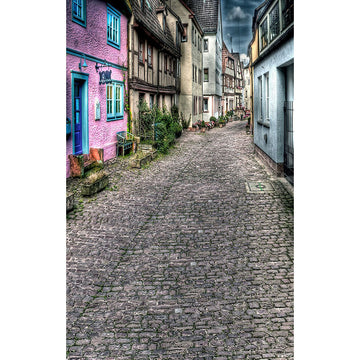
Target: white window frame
260, 98
267, 97
116, 87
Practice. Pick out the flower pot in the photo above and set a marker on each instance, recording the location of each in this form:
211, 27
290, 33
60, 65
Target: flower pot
96, 186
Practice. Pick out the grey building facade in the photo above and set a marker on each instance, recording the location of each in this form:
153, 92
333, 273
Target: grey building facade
274, 88
208, 13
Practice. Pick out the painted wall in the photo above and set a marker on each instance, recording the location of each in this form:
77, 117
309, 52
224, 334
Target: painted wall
276, 66
212, 60
92, 41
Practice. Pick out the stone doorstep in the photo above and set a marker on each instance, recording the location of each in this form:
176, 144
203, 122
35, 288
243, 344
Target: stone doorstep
138, 163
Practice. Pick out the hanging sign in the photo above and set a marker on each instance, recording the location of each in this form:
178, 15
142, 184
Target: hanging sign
105, 77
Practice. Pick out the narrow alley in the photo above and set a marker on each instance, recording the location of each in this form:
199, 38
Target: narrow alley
188, 258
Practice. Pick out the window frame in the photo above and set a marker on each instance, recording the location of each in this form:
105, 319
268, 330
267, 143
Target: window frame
206, 48
81, 20
149, 55
206, 78
141, 51
206, 101
267, 97
113, 116
263, 33
116, 15
260, 118
184, 36
272, 24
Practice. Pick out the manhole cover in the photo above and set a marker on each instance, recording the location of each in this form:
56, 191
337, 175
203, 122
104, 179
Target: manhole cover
259, 186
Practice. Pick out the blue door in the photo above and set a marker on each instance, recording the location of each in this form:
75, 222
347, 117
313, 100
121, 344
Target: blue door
77, 118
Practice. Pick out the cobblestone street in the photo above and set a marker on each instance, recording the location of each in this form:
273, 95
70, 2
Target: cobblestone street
179, 260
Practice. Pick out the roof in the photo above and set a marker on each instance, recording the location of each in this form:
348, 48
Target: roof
123, 6
206, 12
147, 18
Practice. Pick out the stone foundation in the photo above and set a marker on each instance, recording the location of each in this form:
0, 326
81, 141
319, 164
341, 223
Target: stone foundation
276, 168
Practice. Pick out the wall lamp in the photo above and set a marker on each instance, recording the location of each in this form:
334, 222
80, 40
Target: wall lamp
84, 65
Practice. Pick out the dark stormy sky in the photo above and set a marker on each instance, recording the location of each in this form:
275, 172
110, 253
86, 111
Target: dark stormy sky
237, 19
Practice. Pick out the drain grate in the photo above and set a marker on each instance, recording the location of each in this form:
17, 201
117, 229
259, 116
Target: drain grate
259, 186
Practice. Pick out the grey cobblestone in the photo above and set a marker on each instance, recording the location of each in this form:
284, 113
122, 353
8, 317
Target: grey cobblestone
179, 261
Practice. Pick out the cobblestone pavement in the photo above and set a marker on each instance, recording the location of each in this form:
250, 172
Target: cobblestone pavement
180, 261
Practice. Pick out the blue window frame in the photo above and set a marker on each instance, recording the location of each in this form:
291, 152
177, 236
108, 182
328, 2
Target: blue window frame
113, 27
79, 12
115, 101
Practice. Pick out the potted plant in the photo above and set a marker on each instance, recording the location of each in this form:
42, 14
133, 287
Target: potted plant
95, 182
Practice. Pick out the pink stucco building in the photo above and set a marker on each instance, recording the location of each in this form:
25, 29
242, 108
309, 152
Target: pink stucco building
96, 76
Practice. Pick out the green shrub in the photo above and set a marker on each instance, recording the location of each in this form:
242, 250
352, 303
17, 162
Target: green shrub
185, 123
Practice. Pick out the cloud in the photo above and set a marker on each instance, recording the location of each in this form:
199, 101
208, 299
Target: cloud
236, 13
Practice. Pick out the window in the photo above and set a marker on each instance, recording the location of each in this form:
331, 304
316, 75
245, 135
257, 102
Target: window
151, 103
165, 64
178, 70
206, 45
195, 38
274, 22
149, 58
287, 13
260, 98
195, 74
199, 76
263, 34
194, 105
79, 12
192, 34
141, 51
115, 100
206, 74
184, 35
206, 105
267, 96
113, 27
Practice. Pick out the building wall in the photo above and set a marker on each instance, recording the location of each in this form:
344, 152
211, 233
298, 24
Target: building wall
247, 89
197, 86
149, 80
190, 55
276, 66
92, 42
212, 89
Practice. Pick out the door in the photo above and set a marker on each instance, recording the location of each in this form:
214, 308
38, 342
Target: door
77, 118
289, 125
289, 142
